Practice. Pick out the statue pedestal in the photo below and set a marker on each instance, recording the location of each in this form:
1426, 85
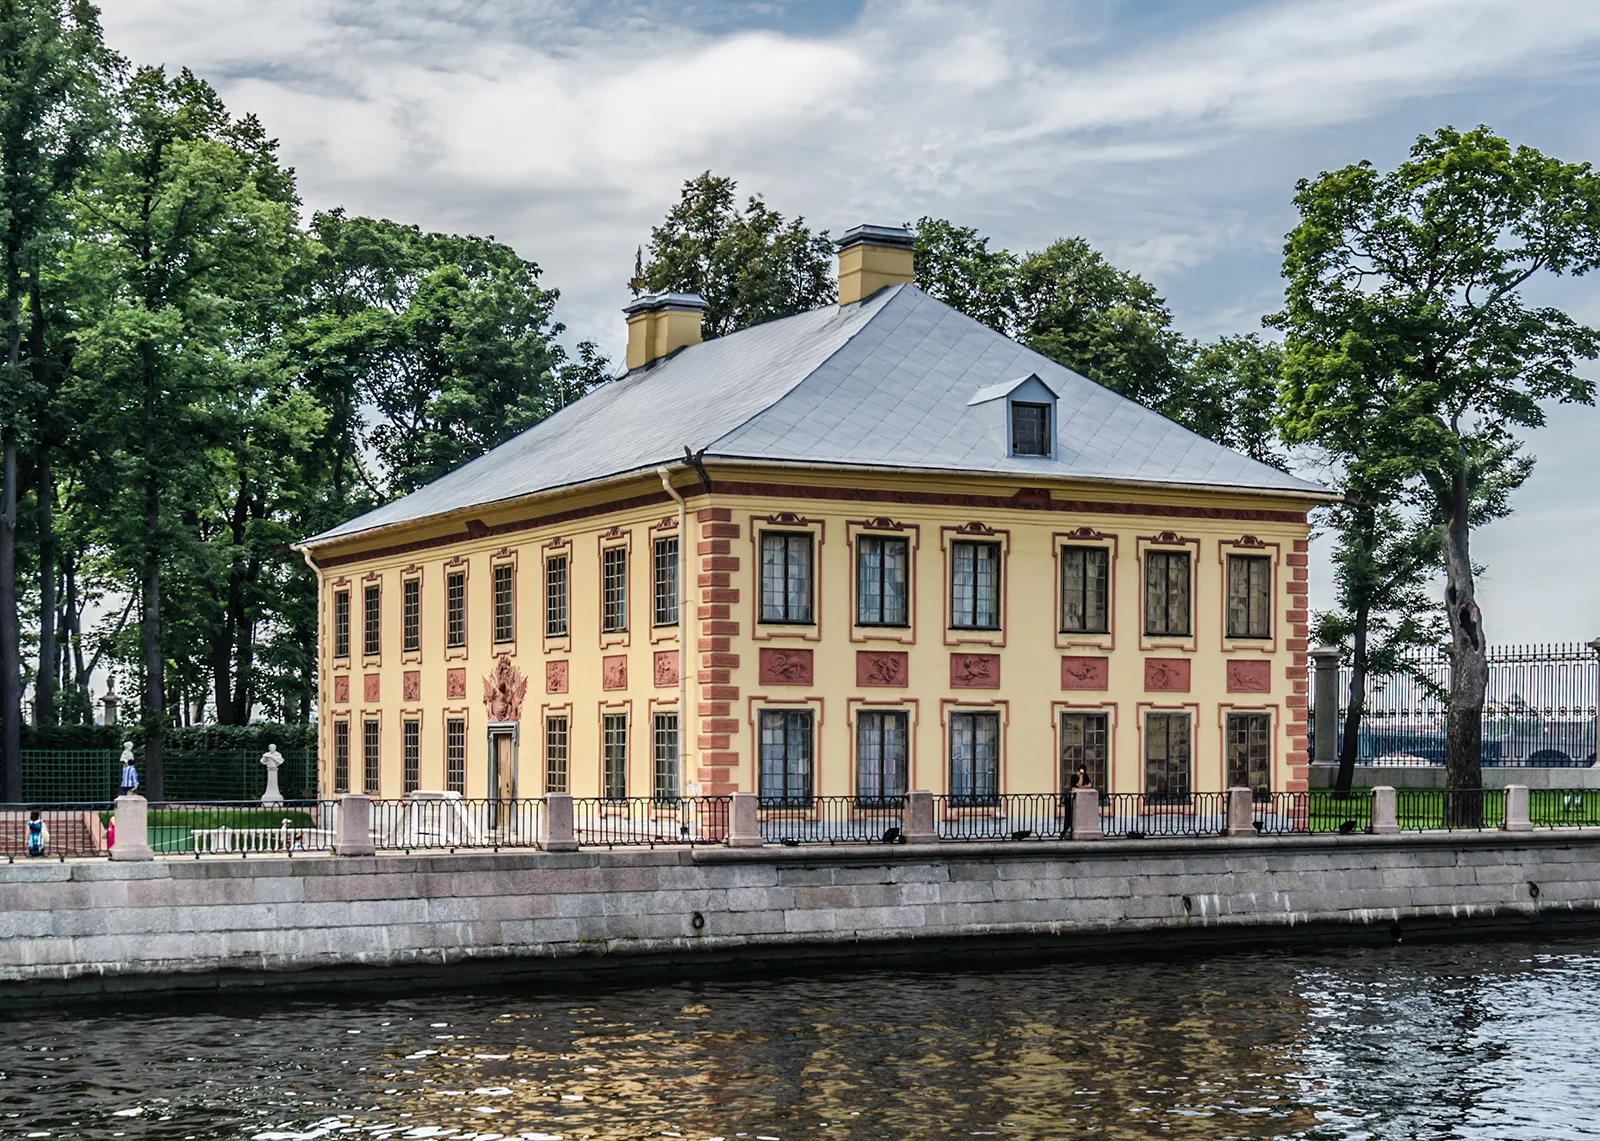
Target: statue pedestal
272, 796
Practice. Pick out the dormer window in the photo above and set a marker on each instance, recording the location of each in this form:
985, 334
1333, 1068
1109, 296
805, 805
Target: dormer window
1030, 429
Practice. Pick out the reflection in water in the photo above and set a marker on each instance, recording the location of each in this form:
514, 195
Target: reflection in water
1405, 1042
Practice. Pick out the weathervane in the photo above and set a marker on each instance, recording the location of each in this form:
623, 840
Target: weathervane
637, 282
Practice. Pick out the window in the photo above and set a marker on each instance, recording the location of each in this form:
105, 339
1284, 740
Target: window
1085, 590
1249, 596
369, 756
975, 586
411, 735
1166, 593
555, 754
1084, 737
341, 623
1030, 429
785, 577
1166, 756
1250, 753
665, 579
455, 755
974, 758
341, 756
881, 572
664, 771
881, 757
411, 591
455, 609
555, 596
505, 619
615, 750
786, 757
614, 606
371, 603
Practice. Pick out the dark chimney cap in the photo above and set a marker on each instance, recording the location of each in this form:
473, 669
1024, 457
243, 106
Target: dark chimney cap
653, 302
897, 237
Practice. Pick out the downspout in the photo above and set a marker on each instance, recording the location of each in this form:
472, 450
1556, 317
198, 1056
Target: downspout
683, 628
316, 673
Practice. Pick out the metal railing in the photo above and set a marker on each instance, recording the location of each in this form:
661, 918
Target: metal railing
237, 828
1003, 816
1136, 815
1302, 813
53, 831
1564, 807
834, 820
642, 821
1451, 810
416, 823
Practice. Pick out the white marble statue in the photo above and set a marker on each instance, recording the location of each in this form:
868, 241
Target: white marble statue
273, 760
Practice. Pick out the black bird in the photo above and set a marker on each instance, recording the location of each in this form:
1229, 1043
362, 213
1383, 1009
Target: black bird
1260, 826
1136, 835
892, 835
1022, 833
1347, 827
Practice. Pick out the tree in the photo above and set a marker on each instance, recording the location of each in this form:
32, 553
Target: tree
191, 219
1231, 396
750, 265
52, 63
1411, 346
954, 264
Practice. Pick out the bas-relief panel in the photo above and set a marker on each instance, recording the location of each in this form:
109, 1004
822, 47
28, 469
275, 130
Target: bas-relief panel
1249, 677
371, 687
1166, 675
665, 668
883, 667
555, 677
785, 667
411, 685
341, 689
614, 672
974, 671
1091, 673
455, 683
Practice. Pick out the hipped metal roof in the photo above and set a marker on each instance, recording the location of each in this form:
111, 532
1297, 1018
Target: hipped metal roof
882, 383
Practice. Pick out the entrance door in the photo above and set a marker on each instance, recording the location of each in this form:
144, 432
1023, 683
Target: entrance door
502, 778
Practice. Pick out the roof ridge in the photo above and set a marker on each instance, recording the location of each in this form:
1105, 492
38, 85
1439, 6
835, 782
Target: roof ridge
844, 344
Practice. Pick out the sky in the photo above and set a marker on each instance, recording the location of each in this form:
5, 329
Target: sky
1169, 133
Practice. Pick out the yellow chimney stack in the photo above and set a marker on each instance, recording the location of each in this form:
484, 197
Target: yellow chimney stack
660, 324
872, 257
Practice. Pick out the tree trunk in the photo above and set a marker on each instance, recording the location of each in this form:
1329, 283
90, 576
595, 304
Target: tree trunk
1469, 663
10, 631
44, 680
1350, 742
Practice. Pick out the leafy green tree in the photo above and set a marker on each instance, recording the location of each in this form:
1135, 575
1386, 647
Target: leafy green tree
52, 67
749, 264
954, 264
1231, 396
192, 221
1412, 347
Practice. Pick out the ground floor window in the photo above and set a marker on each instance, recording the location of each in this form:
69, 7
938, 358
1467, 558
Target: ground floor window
974, 758
1085, 743
1167, 756
614, 749
1250, 753
555, 754
369, 756
341, 756
664, 768
455, 755
411, 734
881, 756
786, 756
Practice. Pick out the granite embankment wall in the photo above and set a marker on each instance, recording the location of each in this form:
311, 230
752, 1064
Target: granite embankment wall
91, 927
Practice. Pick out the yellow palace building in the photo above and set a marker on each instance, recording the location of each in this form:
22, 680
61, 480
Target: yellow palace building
905, 551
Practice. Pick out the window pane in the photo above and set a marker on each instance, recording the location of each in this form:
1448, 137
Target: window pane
371, 641
785, 577
785, 757
664, 785
963, 560
369, 757
881, 761
1249, 596
1084, 741
1085, 589
975, 585
614, 606
341, 756
666, 582
411, 734
455, 607
412, 597
1250, 752
896, 595
615, 756
341, 624
974, 757
555, 754
555, 597
869, 581
1166, 755
1166, 593
1030, 429
455, 755
505, 627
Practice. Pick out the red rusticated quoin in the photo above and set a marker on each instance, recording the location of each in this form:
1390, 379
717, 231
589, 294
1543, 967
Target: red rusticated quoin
718, 626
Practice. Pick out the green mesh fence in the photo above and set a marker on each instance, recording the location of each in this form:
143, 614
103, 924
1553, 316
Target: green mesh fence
69, 775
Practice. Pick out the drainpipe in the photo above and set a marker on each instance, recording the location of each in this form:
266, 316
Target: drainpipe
316, 669
683, 626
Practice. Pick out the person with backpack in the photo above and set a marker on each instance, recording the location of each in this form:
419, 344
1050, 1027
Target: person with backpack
38, 834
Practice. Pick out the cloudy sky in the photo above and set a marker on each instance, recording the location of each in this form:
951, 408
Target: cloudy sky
1168, 132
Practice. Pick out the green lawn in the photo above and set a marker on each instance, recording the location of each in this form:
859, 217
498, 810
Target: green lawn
170, 828
1424, 808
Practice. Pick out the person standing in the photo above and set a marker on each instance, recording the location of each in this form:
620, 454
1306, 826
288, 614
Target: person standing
38, 834
130, 775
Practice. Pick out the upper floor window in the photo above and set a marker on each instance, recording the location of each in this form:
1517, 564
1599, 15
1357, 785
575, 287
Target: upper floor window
975, 585
881, 574
665, 581
1085, 590
555, 596
411, 614
614, 590
785, 577
1030, 429
1249, 596
505, 623
1166, 593
371, 610
455, 609
341, 623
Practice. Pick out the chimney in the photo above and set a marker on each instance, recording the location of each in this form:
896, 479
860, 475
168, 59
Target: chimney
662, 323
871, 257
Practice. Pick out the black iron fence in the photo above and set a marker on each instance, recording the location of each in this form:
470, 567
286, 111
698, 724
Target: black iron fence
642, 821
238, 828
1137, 816
834, 820
1540, 708
53, 831
452, 822
1455, 810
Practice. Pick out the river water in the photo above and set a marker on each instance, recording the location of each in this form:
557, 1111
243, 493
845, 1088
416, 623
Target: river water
1498, 1040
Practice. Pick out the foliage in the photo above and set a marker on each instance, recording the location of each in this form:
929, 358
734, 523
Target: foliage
1411, 348
749, 264
247, 738
954, 264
